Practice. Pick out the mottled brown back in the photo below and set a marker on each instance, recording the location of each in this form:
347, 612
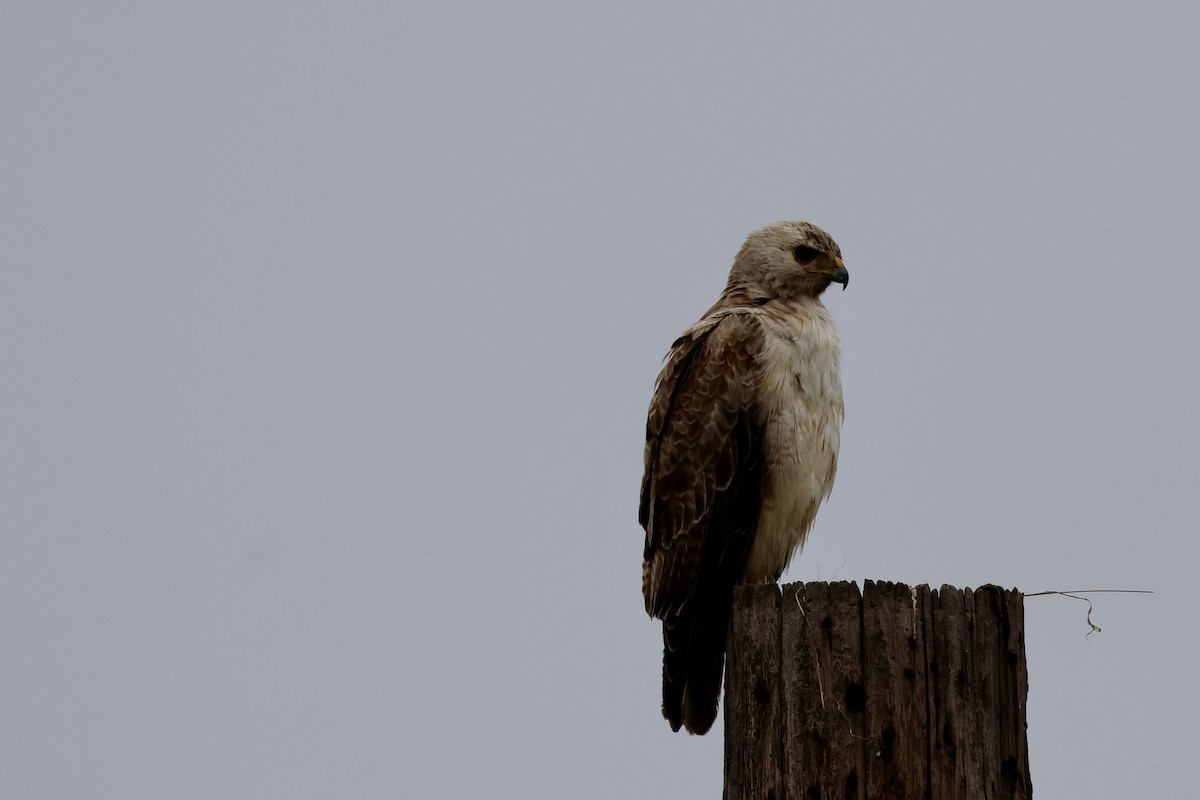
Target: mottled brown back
701, 493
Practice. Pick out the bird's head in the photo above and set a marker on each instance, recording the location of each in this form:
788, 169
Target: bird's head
788, 260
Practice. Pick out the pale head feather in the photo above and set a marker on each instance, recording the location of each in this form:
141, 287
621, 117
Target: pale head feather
767, 268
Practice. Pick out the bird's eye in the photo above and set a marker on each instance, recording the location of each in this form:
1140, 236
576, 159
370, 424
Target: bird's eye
805, 255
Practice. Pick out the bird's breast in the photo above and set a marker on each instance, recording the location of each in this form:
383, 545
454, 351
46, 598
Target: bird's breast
800, 400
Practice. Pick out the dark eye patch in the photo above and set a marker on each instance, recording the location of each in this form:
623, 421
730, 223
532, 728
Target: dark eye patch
805, 255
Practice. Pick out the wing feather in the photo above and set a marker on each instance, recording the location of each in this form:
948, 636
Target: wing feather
701, 495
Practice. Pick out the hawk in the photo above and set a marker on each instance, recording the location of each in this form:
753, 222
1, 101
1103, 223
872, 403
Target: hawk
741, 448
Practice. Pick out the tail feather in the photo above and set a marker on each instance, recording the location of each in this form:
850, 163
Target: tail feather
674, 680
694, 667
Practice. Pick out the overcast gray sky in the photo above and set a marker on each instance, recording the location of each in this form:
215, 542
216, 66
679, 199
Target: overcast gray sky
327, 335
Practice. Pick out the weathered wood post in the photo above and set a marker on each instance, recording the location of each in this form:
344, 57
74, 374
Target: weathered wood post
895, 692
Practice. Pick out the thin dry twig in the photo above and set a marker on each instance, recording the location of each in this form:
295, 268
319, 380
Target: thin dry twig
835, 572
1077, 594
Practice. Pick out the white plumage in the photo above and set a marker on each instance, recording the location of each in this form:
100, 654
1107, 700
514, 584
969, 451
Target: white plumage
801, 401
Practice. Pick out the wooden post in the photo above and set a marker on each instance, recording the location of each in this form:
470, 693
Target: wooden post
898, 692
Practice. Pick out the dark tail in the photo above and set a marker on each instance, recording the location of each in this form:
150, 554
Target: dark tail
694, 665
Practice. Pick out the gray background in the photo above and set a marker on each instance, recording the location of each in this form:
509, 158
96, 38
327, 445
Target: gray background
327, 335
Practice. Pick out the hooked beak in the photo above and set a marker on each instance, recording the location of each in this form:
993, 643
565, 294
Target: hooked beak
840, 274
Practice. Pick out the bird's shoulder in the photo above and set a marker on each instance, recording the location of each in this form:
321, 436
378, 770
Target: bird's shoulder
723, 344
739, 338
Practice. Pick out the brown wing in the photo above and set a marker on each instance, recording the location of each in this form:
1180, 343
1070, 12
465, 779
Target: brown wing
701, 495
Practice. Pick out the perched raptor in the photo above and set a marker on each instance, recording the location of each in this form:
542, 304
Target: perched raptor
741, 448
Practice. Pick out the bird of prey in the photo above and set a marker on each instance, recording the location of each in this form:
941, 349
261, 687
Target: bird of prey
741, 448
